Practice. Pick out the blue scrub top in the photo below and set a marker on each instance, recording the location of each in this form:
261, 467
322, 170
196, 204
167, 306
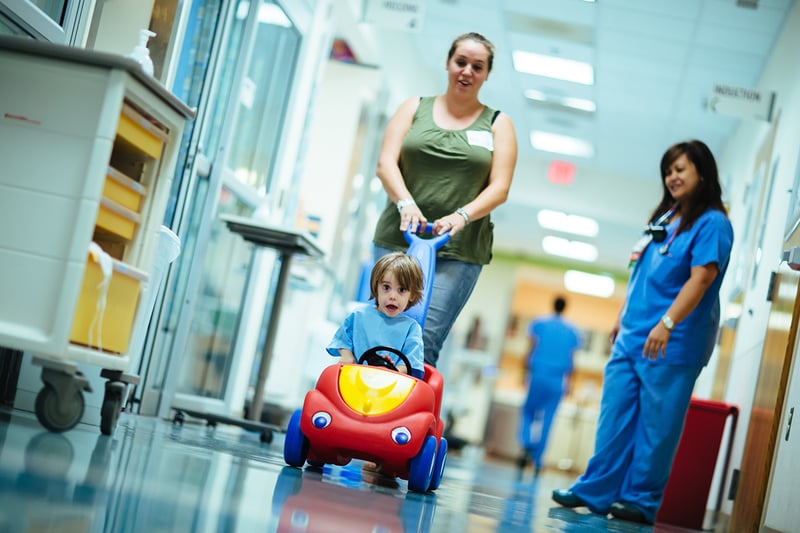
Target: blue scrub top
658, 277
556, 340
366, 327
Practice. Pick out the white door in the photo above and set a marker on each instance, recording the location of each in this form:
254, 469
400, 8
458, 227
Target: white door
782, 510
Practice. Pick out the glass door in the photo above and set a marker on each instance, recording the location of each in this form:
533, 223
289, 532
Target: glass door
237, 143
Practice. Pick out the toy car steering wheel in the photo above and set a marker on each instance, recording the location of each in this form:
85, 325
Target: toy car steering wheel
373, 358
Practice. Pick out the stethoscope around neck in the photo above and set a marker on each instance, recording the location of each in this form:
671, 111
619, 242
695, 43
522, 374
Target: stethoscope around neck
658, 230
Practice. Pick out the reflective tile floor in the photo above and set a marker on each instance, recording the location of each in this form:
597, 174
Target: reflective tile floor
153, 476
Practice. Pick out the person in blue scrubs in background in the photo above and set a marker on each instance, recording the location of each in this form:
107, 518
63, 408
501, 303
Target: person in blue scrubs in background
663, 338
553, 341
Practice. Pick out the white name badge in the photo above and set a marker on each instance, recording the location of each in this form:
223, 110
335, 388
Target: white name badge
481, 138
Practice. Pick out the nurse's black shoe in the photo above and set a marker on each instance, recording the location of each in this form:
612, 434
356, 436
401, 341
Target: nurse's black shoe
629, 512
567, 498
523, 460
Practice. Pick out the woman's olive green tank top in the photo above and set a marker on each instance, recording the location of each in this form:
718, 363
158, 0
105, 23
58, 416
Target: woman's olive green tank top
444, 170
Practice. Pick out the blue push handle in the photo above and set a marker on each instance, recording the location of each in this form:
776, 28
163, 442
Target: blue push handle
424, 251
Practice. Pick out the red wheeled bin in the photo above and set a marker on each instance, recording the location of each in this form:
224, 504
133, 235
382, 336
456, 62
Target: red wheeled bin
686, 493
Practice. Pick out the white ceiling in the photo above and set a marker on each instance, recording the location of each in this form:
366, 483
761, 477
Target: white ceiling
655, 62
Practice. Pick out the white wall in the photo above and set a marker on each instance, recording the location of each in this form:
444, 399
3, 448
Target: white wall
739, 161
120, 22
342, 92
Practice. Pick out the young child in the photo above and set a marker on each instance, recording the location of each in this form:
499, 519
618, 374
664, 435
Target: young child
395, 285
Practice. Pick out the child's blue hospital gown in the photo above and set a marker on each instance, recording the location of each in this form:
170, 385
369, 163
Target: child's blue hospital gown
366, 327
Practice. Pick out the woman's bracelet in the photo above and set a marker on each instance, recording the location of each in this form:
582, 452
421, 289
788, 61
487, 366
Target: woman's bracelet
404, 203
464, 214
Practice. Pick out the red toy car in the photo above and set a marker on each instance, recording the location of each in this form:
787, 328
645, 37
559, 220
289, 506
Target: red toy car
376, 414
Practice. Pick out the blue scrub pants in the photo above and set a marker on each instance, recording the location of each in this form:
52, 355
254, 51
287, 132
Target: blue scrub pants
544, 394
641, 419
453, 282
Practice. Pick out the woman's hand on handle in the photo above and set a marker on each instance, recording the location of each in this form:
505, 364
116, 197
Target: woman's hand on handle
452, 223
410, 215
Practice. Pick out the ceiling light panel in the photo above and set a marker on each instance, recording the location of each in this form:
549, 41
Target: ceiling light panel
591, 284
561, 144
560, 221
553, 67
561, 102
550, 28
582, 251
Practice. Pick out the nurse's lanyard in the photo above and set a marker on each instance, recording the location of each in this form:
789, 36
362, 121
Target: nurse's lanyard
656, 232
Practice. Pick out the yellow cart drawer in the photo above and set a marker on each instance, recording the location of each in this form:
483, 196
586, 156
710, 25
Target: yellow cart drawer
139, 132
107, 328
126, 191
116, 219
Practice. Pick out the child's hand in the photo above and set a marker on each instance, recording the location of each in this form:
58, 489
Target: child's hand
402, 368
346, 357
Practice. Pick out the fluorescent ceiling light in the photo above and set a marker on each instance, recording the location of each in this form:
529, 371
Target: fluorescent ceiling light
579, 104
592, 284
556, 220
553, 67
581, 251
561, 144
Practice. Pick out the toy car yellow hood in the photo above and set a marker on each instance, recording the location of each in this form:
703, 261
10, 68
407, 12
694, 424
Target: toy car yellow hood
373, 391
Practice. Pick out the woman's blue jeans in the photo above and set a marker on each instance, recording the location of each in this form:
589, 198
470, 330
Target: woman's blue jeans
453, 282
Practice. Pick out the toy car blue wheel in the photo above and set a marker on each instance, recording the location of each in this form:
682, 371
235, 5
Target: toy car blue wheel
295, 447
438, 467
421, 471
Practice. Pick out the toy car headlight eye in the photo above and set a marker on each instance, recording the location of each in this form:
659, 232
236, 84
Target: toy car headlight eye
401, 435
321, 420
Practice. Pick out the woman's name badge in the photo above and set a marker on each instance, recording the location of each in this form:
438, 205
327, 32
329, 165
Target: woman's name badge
638, 248
483, 139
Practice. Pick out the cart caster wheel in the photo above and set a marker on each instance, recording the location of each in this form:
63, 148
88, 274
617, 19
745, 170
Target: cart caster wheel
266, 436
179, 419
112, 404
59, 416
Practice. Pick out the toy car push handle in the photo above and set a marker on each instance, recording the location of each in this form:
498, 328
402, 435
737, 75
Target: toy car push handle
424, 251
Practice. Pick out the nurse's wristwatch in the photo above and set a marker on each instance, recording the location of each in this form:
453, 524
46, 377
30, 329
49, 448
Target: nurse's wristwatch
668, 323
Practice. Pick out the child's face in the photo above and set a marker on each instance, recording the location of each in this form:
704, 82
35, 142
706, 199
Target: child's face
392, 298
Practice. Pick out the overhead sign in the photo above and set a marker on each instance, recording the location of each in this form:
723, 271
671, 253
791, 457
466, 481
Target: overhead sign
741, 102
398, 14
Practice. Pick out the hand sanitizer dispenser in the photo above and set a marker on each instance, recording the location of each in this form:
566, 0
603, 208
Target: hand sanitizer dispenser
141, 54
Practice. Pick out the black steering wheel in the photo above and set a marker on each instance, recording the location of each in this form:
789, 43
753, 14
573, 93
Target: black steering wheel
373, 358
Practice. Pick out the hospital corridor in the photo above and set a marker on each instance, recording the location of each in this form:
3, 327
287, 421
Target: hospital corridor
399, 266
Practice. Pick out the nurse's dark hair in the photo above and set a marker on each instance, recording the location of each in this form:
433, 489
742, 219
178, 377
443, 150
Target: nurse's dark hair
406, 271
709, 191
478, 38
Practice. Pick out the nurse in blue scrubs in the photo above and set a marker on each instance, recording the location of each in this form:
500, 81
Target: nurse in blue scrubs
663, 338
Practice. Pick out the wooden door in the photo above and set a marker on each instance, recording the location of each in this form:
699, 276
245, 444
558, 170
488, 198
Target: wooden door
768, 402
782, 511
